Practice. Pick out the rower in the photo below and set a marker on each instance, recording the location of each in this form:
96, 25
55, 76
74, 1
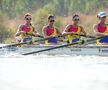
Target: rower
73, 29
51, 31
27, 30
101, 29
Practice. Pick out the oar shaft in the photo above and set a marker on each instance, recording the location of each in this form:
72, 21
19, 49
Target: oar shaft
88, 36
54, 48
15, 44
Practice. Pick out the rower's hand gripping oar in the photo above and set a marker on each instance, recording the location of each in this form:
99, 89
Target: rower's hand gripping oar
61, 46
87, 36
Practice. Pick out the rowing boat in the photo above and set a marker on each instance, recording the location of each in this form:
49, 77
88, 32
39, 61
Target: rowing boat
71, 50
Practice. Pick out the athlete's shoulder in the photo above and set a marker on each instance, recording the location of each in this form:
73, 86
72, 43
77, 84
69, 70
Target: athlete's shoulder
46, 26
95, 25
68, 26
21, 25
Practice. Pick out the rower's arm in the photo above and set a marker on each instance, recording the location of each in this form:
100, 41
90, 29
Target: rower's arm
83, 31
58, 32
19, 31
35, 33
65, 32
96, 31
44, 32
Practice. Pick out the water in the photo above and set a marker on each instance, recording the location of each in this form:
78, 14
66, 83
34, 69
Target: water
43, 72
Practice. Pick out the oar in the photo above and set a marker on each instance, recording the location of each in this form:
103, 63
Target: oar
43, 39
61, 46
88, 36
28, 42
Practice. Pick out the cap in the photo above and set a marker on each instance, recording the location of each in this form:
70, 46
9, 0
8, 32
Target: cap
101, 14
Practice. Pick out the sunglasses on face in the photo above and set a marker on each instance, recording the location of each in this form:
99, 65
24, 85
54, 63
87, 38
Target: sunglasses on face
28, 18
104, 17
76, 19
52, 20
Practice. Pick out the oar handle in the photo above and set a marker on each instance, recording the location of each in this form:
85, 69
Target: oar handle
88, 36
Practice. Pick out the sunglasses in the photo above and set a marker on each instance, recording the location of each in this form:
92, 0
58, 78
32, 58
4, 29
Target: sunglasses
52, 20
104, 17
28, 18
76, 19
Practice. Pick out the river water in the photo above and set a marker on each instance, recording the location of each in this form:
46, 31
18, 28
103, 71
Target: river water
53, 72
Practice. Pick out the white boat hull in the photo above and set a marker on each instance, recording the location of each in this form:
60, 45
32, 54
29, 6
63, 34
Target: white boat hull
79, 50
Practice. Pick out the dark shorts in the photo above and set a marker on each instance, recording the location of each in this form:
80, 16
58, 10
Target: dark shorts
104, 40
53, 40
75, 40
27, 39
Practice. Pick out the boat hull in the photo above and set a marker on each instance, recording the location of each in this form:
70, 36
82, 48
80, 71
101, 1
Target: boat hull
76, 50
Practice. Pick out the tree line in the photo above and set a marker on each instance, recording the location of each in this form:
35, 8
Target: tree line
14, 8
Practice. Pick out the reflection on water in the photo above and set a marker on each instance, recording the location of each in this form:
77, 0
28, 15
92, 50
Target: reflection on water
58, 72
